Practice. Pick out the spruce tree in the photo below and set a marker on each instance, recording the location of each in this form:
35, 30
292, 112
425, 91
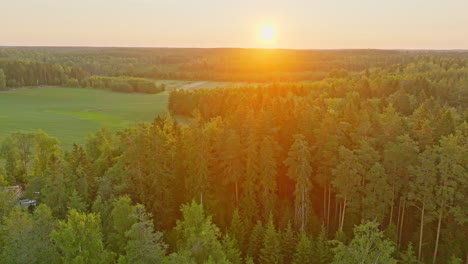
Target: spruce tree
271, 251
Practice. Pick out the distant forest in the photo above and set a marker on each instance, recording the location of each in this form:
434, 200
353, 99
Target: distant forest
342, 157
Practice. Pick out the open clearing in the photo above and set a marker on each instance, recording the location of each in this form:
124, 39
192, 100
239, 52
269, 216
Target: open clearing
71, 113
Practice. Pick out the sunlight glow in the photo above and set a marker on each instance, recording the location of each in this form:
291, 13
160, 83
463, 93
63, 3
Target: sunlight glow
267, 34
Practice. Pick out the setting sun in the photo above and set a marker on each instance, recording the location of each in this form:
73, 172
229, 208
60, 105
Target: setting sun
267, 33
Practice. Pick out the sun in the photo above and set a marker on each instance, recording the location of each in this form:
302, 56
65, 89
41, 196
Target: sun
267, 34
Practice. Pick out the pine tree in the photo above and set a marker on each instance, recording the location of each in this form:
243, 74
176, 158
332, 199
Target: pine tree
271, 251
54, 190
300, 170
248, 202
123, 216
377, 194
304, 251
408, 257
421, 189
267, 178
144, 246
237, 228
322, 249
232, 162
231, 250
347, 180
197, 234
256, 241
288, 242
452, 173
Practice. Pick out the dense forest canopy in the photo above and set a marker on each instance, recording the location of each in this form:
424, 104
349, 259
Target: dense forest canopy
366, 164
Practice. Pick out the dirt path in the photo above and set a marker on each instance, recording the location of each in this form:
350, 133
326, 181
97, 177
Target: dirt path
192, 85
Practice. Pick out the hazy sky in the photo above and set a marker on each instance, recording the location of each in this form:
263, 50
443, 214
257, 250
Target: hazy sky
309, 24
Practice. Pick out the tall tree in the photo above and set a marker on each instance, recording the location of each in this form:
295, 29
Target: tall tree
421, 191
347, 180
269, 149
232, 161
453, 174
300, 170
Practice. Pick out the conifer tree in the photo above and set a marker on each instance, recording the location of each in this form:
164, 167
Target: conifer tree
123, 216
452, 174
421, 189
304, 251
232, 162
256, 241
268, 170
197, 234
271, 251
347, 180
300, 170
144, 246
288, 242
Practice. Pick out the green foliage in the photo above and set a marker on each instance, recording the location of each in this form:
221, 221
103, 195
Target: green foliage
408, 256
2, 80
123, 84
272, 247
369, 245
299, 170
198, 235
304, 251
123, 217
144, 246
374, 158
79, 239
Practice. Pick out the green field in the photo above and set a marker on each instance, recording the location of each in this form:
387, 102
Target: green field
70, 113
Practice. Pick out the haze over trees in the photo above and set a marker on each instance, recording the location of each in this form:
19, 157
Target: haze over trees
366, 165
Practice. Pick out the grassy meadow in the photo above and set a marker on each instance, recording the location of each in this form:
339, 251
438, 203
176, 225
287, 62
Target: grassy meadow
71, 113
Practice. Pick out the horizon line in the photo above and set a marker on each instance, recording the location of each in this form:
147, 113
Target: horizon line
188, 47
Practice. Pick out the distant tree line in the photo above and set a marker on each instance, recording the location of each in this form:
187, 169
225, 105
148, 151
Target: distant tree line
18, 73
240, 65
123, 84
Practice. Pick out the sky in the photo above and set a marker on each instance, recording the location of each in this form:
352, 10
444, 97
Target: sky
298, 24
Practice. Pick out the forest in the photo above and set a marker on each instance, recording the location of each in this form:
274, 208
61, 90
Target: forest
339, 157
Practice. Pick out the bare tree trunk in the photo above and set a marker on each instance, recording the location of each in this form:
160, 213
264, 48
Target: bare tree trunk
402, 224
201, 198
324, 205
421, 229
391, 207
398, 219
329, 207
303, 210
237, 195
344, 212
337, 212
437, 237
